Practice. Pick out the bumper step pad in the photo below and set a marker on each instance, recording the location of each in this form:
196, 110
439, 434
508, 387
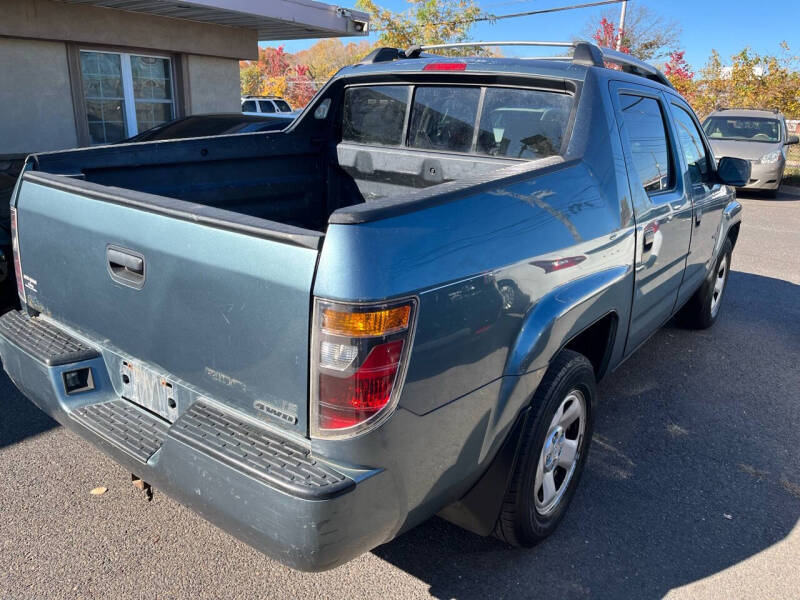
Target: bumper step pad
125, 426
258, 452
44, 341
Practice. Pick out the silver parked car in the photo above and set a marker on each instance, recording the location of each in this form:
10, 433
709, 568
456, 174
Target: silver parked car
759, 136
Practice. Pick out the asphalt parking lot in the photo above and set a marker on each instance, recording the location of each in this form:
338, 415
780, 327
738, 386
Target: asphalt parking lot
692, 488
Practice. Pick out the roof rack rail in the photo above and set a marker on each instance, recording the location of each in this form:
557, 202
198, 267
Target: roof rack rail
772, 110
583, 53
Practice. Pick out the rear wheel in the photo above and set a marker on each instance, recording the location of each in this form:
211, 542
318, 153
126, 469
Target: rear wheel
702, 309
553, 452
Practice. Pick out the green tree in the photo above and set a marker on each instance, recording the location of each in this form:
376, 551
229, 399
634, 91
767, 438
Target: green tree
425, 22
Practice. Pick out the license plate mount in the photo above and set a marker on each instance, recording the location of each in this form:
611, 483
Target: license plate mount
148, 389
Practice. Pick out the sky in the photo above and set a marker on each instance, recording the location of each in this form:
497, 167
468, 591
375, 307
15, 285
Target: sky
724, 25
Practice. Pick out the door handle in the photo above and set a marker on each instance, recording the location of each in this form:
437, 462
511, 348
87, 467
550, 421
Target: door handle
125, 266
698, 216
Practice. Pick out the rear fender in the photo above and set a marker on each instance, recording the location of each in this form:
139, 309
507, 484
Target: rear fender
554, 320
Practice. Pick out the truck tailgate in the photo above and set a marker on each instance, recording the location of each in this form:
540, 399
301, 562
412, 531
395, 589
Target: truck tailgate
222, 303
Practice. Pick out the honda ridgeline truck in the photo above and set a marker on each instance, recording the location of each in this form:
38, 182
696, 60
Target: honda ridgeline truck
396, 308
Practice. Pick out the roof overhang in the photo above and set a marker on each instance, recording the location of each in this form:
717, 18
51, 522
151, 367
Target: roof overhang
271, 19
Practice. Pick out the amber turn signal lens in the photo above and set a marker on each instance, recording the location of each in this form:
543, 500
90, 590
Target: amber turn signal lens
365, 324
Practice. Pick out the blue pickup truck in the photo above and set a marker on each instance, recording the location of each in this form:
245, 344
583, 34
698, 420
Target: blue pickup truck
398, 307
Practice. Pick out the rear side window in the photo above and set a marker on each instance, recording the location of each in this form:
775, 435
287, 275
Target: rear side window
375, 114
249, 106
266, 106
522, 123
443, 118
644, 126
283, 106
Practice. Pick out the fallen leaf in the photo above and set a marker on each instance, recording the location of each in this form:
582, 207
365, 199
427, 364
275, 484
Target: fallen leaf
99, 491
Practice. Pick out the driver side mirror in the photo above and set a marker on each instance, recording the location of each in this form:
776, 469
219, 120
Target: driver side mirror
793, 139
733, 171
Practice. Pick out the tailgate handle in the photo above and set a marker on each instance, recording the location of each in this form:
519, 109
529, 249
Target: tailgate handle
125, 266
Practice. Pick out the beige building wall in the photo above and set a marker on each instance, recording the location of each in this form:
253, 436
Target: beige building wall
213, 85
48, 20
36, 112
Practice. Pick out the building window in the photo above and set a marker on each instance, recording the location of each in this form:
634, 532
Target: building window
125, 93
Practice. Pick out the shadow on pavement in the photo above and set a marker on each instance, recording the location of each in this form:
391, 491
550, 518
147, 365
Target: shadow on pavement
19, 417
785, 194
694, 468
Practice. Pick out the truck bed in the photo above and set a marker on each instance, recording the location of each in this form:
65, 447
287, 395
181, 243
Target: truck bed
278, 177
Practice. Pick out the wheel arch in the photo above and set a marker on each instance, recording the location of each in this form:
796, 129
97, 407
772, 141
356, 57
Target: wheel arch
572, 317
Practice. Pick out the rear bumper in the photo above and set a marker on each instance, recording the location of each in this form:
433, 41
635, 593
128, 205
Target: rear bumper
269, 492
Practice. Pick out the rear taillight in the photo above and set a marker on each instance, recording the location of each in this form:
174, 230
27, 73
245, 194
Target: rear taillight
358, 359
15, 249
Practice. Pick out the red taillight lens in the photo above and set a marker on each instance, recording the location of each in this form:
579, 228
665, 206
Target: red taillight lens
15, 250
358, 358
348, 401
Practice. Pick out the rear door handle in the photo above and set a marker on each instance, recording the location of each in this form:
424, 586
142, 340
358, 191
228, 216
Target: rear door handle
125, 266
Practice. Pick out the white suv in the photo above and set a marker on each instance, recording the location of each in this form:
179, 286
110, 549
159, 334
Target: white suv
259, 105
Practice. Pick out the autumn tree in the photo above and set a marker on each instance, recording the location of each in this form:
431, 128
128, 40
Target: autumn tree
750, 80
275, 74
608, 36
647, 34
766, 81
327, 56
680, 75
250, 76
425, 22
712, 86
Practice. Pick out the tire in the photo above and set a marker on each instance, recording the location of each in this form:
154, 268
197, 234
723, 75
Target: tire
527, 517
702, 309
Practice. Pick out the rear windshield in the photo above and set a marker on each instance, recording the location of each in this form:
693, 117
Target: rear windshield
749, 129
492, 121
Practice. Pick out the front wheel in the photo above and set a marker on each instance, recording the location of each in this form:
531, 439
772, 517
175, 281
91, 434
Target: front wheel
553, 452
702, 309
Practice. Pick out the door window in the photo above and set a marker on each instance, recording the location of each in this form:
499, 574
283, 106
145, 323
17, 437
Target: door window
692, 146
266, 106
125, 94
643, 122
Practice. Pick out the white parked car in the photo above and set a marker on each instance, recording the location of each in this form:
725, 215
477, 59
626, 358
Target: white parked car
259, 105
